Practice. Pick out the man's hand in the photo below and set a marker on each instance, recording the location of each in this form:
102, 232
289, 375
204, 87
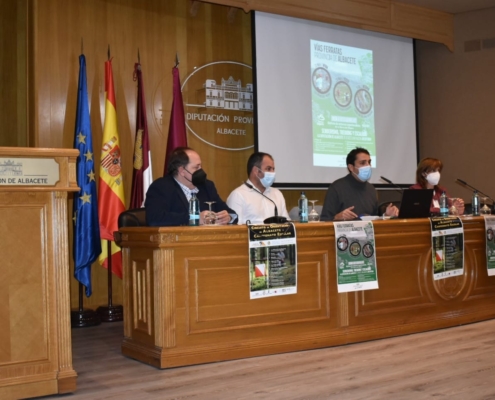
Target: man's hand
391, 211
347, 214
223, 218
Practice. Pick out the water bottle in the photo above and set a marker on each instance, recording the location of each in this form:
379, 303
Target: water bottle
444, 206
194, 211
303, 208
475, 203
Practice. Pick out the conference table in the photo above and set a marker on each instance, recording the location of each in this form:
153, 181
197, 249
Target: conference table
186, 292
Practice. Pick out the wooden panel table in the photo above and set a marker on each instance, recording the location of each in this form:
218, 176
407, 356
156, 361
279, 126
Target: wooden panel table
186, 293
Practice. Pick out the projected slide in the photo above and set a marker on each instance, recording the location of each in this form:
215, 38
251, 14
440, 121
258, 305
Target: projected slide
342, 102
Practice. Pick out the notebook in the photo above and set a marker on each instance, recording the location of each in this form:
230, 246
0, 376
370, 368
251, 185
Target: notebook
415, 203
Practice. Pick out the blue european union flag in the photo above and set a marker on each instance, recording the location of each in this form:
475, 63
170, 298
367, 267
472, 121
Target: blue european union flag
87, 244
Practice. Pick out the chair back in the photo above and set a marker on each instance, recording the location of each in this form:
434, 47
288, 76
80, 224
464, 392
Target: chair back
133, 217
294, 214
468, 208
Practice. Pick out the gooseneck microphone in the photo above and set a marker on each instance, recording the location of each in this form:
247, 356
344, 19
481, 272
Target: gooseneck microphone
391, 183
473, 188
272, 220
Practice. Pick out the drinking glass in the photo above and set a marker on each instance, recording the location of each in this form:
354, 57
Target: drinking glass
485, 210
210, 216
313, 215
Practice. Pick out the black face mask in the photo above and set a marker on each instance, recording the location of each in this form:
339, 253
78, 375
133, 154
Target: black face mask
198, 177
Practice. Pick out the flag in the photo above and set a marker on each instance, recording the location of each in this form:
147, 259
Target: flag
141, 173
177, 129
259, 270
111, 186
87, 245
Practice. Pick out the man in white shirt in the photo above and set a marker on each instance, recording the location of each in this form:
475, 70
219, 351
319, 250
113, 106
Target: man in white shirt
248, 200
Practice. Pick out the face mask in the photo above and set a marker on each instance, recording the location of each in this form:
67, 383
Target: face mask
198, 177
364, 173
268, 179
433, 178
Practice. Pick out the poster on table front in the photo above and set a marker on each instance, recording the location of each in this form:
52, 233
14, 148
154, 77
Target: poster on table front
356, 258
272, 260
490, 244
447, 241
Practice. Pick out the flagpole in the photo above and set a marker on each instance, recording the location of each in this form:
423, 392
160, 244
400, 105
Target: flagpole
83, 318
110, 313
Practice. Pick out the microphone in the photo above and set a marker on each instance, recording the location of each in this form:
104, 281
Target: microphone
473, 188
391, 183
272, 220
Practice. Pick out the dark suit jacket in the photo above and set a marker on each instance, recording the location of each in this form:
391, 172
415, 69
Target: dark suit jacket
167, 205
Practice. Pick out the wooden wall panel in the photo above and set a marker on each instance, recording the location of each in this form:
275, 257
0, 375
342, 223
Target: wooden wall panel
292, 197
159, 29
419, 23
13, 72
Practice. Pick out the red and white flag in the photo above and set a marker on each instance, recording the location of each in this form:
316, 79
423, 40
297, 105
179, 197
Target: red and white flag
142, 175
259, 270
177, 136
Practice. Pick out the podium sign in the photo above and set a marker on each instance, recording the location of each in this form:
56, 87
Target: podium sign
29, 171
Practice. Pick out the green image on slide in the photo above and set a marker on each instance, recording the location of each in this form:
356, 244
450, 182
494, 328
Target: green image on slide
363, 101
322, 81
342, 94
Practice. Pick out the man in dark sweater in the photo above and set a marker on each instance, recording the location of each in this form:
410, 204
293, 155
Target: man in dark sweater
167, 199
353, 196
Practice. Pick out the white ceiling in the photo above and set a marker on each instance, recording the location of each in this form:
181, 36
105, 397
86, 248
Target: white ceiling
452, 6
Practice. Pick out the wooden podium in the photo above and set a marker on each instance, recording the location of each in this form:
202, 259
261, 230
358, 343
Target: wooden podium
35, 337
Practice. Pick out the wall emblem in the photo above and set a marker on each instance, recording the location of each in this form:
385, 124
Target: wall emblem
218, 105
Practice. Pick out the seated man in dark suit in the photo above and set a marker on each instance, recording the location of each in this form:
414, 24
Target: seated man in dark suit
167, 199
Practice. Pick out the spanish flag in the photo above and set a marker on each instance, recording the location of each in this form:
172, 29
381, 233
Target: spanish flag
111, 186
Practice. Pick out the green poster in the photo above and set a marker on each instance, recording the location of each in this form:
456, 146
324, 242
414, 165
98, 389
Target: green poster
342, 95
447, 241
356, 259
490, 244
272, 260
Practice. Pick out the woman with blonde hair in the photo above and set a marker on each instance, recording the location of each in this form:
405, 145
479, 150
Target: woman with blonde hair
427, 177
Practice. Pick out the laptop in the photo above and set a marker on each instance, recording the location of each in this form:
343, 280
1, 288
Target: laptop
415, 203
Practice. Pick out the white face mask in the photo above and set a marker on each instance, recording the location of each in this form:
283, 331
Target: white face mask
433, 178
364, 173
268, 179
